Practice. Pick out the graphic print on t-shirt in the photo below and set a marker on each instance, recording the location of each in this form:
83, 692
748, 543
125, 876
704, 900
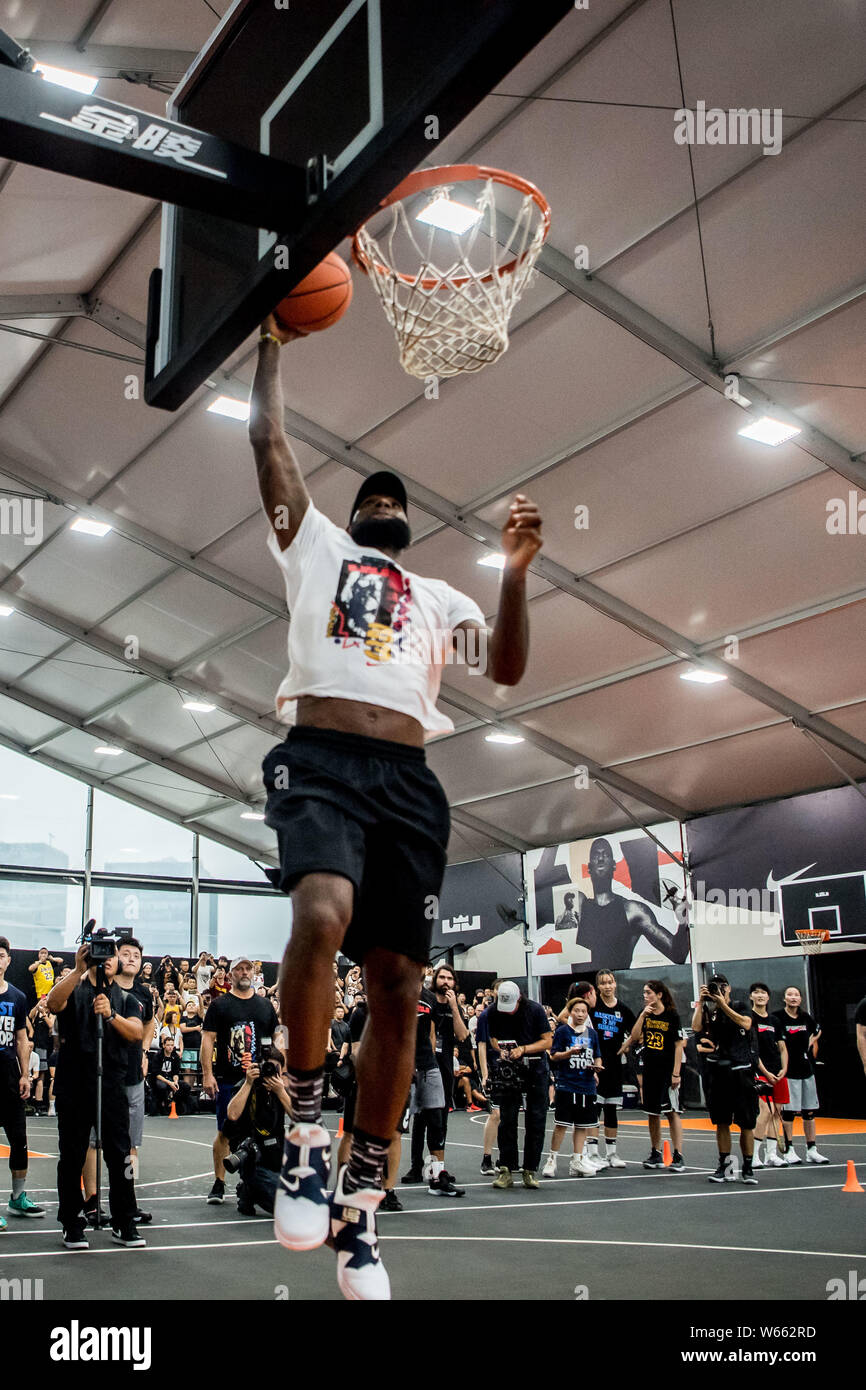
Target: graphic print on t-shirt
241, 1041
371, 606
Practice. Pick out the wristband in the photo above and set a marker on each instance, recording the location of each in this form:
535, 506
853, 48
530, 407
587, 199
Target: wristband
270, 338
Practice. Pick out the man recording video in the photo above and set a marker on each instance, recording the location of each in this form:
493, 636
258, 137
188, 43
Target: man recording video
725, 1043
255, 1128
89, 992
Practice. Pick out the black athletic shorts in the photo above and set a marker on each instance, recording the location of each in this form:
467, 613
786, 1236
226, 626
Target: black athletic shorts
371, 811
732, 1097
574, 1109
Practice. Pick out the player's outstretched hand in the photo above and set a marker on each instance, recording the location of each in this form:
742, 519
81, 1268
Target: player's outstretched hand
521, 534
279, 330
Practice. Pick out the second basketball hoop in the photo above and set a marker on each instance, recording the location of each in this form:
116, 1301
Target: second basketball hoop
450, 252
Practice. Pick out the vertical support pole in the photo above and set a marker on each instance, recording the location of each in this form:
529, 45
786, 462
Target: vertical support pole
88, 857
193, 904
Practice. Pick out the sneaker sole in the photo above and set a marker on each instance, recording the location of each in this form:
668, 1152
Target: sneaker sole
215, 1201
27, 1215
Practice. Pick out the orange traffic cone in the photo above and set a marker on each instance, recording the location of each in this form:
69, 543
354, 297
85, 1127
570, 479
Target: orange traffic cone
340, 1127
172, 1114
666, 1154
851, 1182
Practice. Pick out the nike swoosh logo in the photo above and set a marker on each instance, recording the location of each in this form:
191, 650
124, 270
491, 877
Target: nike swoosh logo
291, 1184
774, 884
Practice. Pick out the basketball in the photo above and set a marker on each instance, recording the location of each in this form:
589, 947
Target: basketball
319, 300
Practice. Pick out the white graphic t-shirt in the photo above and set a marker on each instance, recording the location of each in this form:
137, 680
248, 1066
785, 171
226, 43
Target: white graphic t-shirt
364, 628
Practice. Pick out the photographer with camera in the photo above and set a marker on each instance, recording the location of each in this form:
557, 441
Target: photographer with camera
89, 993
520, 1039
255, 1128
725, 1043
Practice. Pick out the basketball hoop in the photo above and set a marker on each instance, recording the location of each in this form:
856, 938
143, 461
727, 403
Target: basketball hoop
811, 940
476, 257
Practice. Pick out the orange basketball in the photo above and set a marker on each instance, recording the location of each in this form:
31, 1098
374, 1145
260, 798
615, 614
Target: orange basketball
320, 299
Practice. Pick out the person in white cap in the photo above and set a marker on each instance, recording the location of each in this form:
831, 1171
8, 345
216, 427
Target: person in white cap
520, 1039
236, 1027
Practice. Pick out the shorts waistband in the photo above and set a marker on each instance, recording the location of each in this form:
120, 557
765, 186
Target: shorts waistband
359, 744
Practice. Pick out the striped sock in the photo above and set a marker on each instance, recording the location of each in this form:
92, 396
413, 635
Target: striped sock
367, 1160
305, 1093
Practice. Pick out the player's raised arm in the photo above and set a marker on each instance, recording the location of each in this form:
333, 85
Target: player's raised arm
284, 496
521, 542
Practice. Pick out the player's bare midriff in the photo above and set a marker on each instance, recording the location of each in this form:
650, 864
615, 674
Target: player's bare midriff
358, 717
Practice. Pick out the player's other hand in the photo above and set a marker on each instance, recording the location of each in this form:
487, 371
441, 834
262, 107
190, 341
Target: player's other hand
279, 330
521, 534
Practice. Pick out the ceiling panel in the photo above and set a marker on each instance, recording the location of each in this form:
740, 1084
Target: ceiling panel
178, 26
178, 616
83, 576
234, 758
23, 725
79, 680
27, 19
261, 840
548, 815
16, 349
22, 642
157, 717
457, 557
816, 661
251, 669
79, 748
466, 764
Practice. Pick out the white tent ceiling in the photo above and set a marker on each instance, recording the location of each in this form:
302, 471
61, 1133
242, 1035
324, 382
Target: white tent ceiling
611, 397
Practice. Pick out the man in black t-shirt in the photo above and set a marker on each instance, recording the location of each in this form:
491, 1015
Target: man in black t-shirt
450, 1028
800, 1033
77, 1000
520, 1039
257, 1111
613, 1022
725, 1041
428, 1103
129, 957
236, 1027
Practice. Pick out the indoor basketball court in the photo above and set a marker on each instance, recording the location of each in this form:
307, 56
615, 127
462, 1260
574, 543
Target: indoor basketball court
574, 294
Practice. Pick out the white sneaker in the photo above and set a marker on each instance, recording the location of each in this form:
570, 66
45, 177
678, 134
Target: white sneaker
792, 1158
599, 1162
775, 1160
360, 1273
813, 1156
757, 1161
301, 1210
549, 1169
581, 1167
615, 1161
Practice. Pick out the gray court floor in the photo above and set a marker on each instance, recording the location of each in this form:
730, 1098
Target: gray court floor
624, 1234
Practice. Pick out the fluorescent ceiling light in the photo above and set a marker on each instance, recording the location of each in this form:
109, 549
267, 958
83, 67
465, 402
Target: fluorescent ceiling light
199, 706
251, 815
493, 562
502, 738
769, 431
227, 405
702, 677
6, 611
107, 752
90, 528
448, 216
62, 77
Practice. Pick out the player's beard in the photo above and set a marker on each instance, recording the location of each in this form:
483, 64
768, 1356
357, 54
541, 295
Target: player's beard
383, 532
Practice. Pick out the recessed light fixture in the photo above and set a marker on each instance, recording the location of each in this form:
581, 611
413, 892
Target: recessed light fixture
105, 752
448, 216
90, 528
493, 562
199, 706
6, 611
233, 409
702, 677
769, 431
502, 738
62, 77
251, 815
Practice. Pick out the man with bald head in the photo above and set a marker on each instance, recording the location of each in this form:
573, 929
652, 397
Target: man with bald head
610, 925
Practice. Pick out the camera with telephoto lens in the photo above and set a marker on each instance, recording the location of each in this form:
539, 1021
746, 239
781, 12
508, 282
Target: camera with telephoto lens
247, 1154
505, 1074
270, 1067
102, 942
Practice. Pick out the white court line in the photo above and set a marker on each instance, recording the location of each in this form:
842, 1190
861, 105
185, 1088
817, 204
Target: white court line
174, 1226
161, 1182
176, 1139
136, 1250
641, 1244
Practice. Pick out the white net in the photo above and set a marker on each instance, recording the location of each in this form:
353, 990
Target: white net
811, 942
453, 315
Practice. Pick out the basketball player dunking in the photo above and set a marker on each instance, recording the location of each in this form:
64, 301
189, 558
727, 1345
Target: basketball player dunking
362, 823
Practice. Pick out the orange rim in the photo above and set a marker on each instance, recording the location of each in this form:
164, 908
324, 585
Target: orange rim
432, 178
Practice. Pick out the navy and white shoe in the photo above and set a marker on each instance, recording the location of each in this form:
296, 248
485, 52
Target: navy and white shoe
360, 1272
301, 1210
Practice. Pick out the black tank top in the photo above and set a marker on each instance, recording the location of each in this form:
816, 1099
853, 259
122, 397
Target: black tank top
607, 933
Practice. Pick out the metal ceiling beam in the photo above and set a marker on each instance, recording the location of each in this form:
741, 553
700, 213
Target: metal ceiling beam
491, 832
143, 804
113, 60
142, 666
150, 756
96, 17
41, 306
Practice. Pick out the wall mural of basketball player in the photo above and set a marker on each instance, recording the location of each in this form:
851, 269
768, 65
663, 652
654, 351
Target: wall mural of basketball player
609, 924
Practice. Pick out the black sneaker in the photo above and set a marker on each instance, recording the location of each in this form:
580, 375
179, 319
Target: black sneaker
748, 1176
678, 1164
90, 1215
391, 1202
142, 1218
487, 1165
217, 1193
724, 1172
74, 1237
414, 1175
655, 1160
127, 1235
445, 1186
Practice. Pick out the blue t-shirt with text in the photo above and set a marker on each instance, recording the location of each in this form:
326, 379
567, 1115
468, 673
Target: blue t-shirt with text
576, 1073
13, 1017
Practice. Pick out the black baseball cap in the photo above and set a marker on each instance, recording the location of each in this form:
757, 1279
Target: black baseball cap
386, 485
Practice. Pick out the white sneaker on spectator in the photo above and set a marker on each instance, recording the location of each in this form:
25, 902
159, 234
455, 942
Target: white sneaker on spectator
614, 1161
775, 1160
792, 1158
549, 1169
599, 1162
581, 1167
757, 1161
813, 1156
